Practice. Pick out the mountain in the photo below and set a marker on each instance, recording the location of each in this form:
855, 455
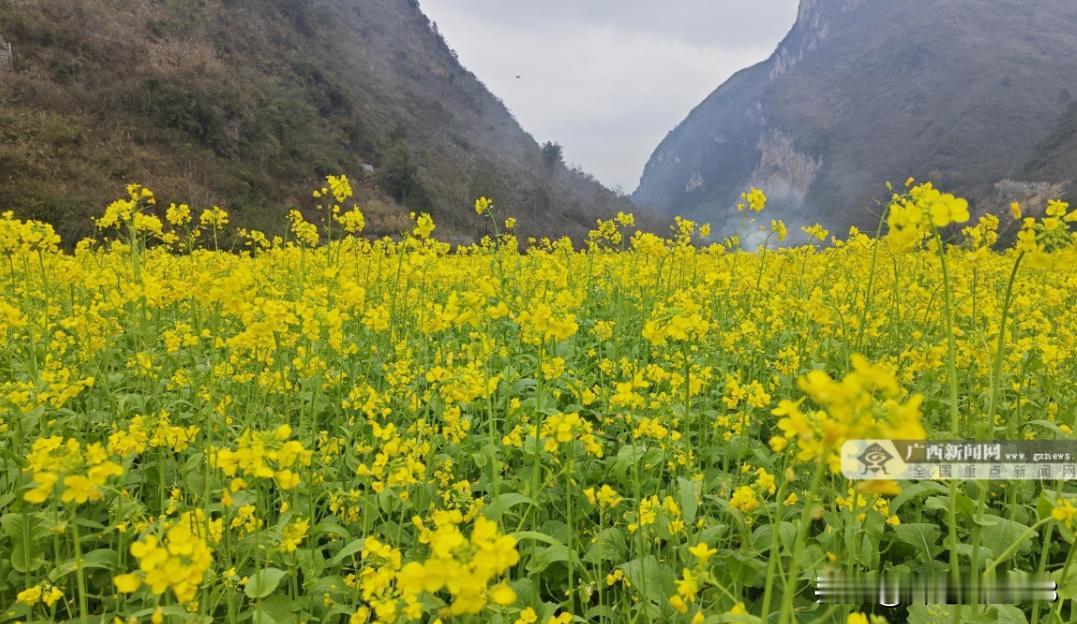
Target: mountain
249, 103
978, 95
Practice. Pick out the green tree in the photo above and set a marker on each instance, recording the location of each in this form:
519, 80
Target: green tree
551, 154
399, 177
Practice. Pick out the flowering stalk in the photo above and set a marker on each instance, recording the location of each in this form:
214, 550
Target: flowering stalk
955, 417
80, 573
791, 578
1000, 348
992, 401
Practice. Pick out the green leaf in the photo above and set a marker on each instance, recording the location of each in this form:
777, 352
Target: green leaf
913, 491
480, 459
965, 550
602, 613
504, 502
654, 580
263, 582
13, 525
349, 549
102, 558
628, 457
311, 561
726, 618
689, 497
537, 536
609, 545
744, 568
1067, 587
1006, 614
1046, 424
26, 559
557, 530
387, 501
930, 614
25, 554
762, 537
170, 610
922, 536
278, 607
329, 527
998, 538
324, 585
545, 557
969, 614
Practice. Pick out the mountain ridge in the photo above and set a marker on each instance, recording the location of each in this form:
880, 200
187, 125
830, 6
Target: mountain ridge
248, 104
863, 91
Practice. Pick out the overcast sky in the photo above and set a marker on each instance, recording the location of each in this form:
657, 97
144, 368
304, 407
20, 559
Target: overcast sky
607, 79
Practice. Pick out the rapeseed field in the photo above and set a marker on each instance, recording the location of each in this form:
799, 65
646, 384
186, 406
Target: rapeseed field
325, 428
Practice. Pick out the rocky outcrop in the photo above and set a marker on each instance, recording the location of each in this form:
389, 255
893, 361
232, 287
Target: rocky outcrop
811, 29
787, 174
5, 55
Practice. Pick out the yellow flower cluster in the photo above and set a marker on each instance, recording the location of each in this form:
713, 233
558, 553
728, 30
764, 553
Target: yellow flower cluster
305, 232
859, 503
178, 562
45, 593
755, 200
605, 496
150, 432
681, 321
1049, 241
26, 236
919, 212
265, 455
744, 499
1064, 511
562, 429
83, 471
542, 325
463, 567
482, 205
868, 403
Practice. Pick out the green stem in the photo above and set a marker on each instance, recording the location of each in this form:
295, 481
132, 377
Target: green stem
871, 282
775, 553
1000, 348
80, 574
992, 403
569, 489
951, 358
1043, 566
798, 546
955, 415
1063, 576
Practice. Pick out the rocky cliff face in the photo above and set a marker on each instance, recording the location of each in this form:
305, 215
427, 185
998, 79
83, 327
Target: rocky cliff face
975, 94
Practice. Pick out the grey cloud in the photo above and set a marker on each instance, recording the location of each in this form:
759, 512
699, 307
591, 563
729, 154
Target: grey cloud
608, 78
702, 22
